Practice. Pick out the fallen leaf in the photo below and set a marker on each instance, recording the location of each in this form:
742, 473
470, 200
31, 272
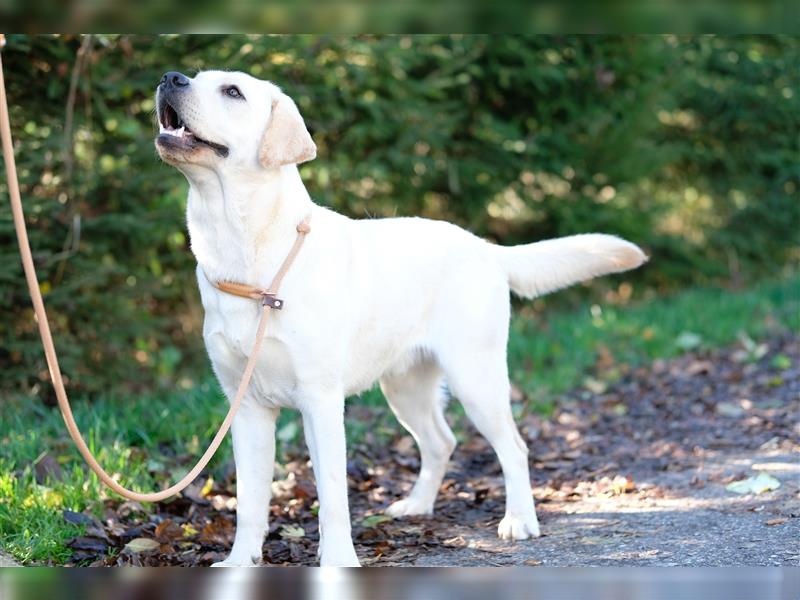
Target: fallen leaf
211, 557
699, 367
219, 531
382, 548
76, 518
595, 386
457, 541
404, 445
781, 361
88, 543
92, 527
130, 507
754, 485
304, 488
141, 545
46, 468
222, 502
168, 530
729, 409
688, 340
291, 532
194, 492
619, 485
373, 520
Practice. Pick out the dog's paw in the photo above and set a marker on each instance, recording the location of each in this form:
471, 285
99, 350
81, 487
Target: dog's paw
408, 507
340, 559
518, 528
233, 561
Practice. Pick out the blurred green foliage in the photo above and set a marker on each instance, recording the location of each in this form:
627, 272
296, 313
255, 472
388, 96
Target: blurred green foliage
686, 145
419, 16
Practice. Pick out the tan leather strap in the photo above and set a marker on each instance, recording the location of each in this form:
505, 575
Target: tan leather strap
268, 297
240, 289
47, 338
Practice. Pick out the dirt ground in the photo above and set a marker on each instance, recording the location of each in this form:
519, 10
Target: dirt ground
628, 473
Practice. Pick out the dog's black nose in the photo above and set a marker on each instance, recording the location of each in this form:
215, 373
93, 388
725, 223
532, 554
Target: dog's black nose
173, 79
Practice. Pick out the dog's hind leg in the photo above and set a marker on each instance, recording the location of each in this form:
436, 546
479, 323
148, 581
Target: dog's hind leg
417, 401
478, 377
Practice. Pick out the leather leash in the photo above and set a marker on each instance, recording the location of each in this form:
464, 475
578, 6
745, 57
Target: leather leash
268, 299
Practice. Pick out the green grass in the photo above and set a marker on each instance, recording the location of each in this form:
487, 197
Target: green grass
128, 436
140, 437
556, 351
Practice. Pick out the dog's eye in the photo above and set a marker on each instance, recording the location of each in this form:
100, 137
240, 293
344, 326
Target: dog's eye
233, 92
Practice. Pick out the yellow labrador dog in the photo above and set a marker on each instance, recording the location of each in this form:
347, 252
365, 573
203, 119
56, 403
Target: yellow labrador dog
410, 303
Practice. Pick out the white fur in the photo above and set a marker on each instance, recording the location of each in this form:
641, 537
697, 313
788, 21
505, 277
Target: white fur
408, 302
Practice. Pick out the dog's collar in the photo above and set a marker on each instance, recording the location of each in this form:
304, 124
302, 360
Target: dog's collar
244, 290
267, 296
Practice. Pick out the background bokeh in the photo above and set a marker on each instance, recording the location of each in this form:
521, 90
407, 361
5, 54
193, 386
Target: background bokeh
687, 145
381, 16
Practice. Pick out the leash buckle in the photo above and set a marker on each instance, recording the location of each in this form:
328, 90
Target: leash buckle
269, 299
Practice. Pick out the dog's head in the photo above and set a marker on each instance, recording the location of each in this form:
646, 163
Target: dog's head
222, 119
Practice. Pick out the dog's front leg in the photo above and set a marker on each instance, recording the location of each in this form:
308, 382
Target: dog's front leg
323, 422
253, 431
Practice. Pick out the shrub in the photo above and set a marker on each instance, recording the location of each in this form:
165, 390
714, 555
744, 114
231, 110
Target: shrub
687, 145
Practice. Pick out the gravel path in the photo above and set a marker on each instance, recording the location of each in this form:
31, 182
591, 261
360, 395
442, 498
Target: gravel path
636, 474
667, 522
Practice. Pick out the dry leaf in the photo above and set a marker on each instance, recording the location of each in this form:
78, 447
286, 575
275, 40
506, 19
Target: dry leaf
47, 467
219, 531
754, 485
622, 485
141, 545
404, 445
594, 385
729, 409
87, 543
292, 532
688, 340
168, 530
373, 520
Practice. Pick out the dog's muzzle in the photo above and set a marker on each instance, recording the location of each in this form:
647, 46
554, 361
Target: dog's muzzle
173, 132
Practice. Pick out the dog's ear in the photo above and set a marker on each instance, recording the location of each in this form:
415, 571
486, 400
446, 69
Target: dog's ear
286, 139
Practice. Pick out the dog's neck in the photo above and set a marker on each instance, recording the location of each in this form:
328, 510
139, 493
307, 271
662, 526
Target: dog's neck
241, 227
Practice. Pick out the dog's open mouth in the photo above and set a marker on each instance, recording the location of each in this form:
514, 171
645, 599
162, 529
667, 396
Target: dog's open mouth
173, 131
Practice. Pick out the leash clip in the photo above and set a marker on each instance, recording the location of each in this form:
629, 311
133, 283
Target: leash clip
269, 299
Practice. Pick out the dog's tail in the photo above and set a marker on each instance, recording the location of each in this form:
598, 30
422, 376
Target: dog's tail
543, 267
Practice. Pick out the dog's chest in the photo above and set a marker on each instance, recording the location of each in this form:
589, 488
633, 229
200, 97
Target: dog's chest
229, 331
